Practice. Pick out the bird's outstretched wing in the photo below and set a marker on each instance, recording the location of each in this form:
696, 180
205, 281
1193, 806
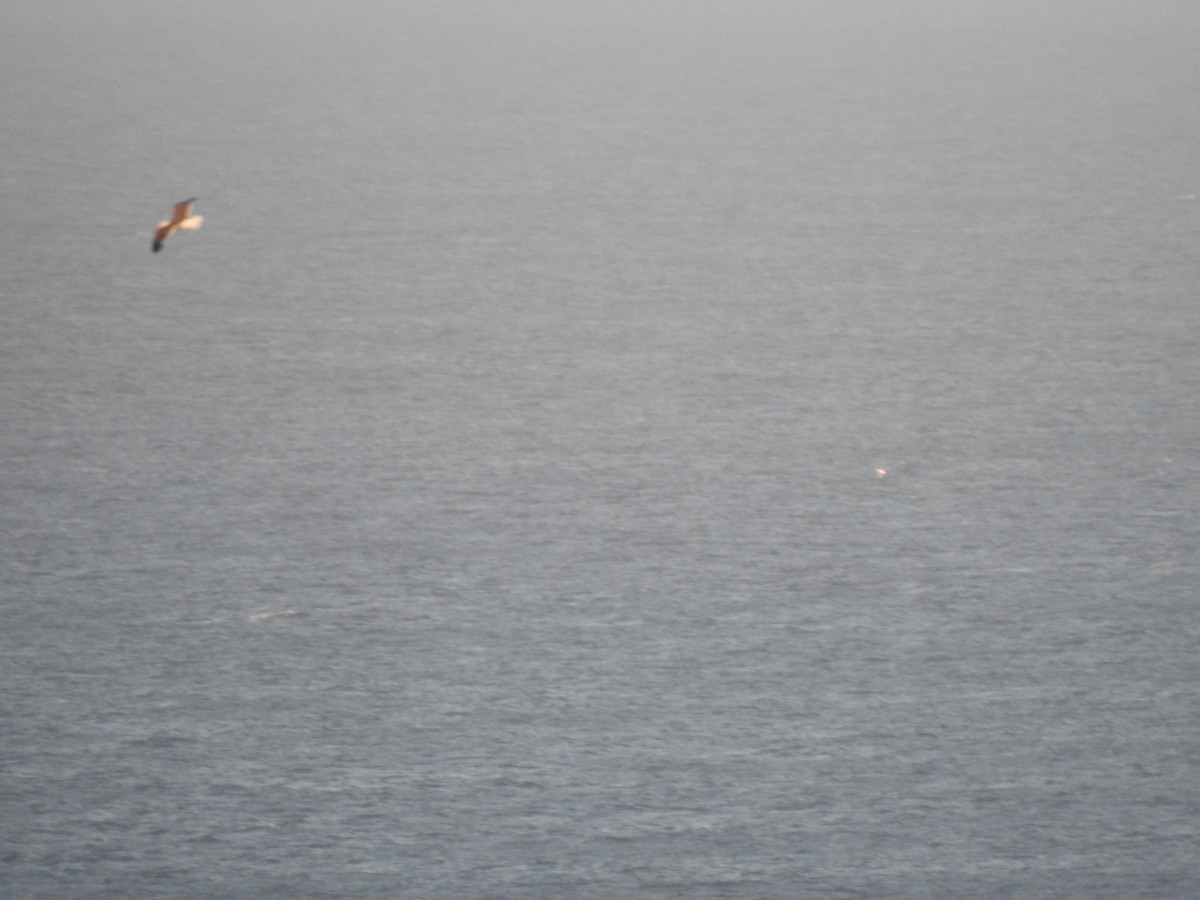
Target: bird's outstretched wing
183, 209
161, 234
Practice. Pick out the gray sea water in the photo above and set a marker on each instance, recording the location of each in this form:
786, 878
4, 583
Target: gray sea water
661, 450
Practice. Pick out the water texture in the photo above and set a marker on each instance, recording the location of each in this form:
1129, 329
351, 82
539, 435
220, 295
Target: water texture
696, 451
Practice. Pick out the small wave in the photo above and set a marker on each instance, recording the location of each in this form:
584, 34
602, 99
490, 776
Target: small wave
272, 614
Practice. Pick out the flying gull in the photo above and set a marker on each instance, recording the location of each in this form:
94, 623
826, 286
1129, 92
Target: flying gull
181, 218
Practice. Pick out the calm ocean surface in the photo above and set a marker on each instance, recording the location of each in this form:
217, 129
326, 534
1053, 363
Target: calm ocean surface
708, 450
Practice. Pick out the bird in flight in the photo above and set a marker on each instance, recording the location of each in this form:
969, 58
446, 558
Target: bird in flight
181, 218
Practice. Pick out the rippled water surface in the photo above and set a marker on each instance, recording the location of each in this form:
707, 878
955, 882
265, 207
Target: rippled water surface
692, 451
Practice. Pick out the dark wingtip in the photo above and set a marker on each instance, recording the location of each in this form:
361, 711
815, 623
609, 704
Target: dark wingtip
156, 247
